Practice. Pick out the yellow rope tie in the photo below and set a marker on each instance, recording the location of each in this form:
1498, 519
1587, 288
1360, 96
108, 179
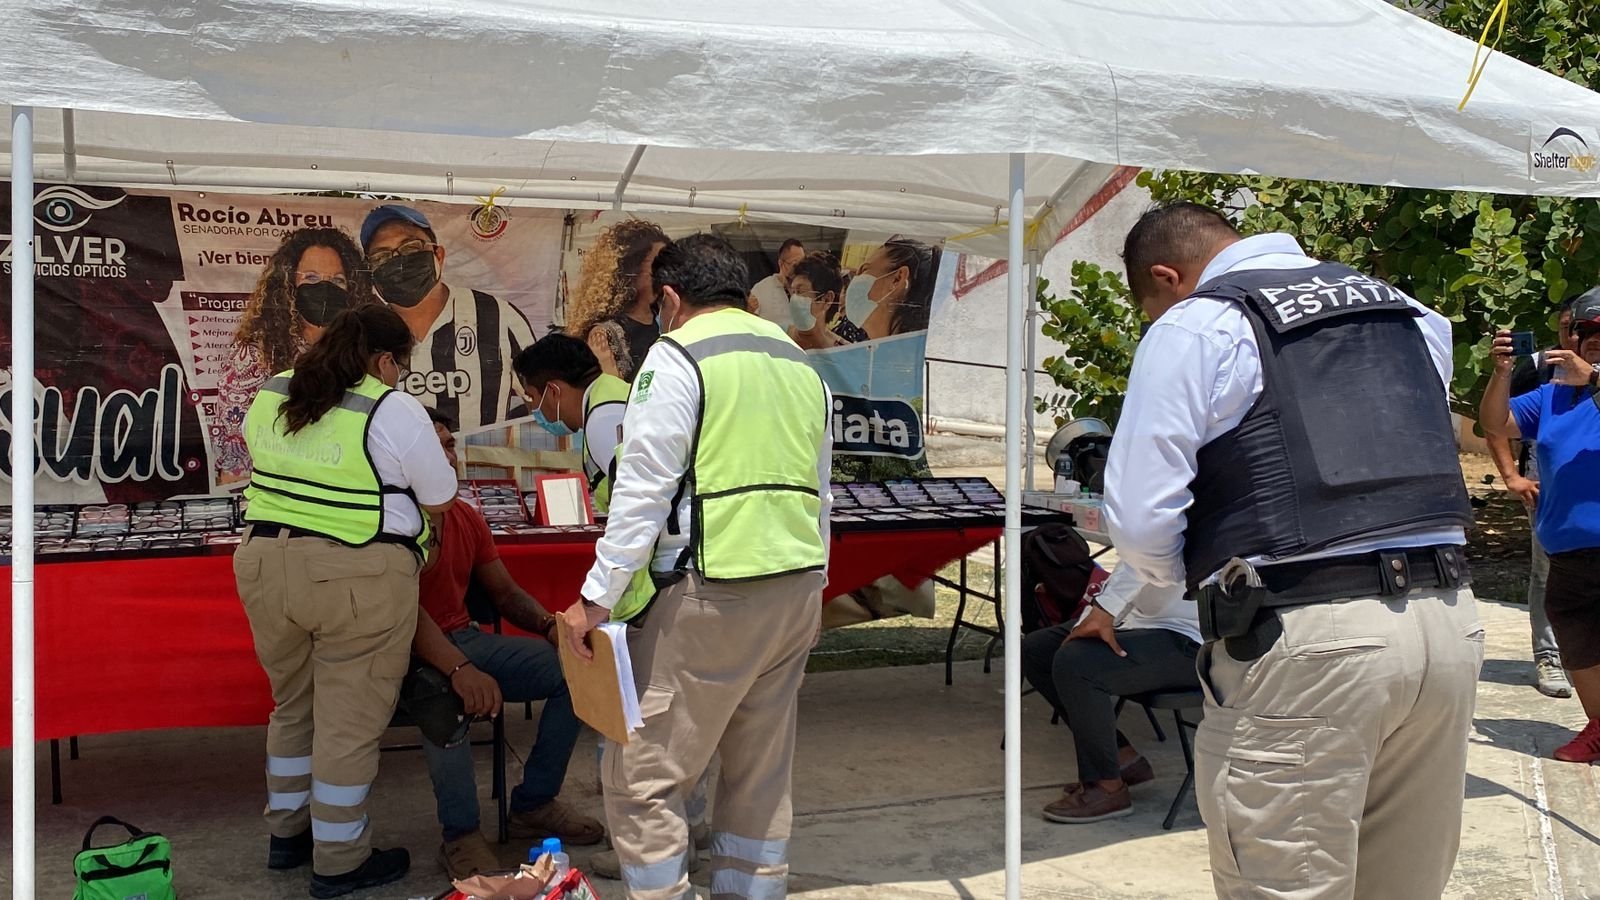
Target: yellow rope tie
1497, 21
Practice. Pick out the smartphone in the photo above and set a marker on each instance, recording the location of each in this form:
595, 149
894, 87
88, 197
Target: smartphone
1522, 344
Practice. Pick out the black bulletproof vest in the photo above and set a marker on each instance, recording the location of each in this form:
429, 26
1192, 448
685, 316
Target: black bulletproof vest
1351, 436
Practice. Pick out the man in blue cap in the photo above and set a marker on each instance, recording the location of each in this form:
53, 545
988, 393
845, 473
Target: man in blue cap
466, 339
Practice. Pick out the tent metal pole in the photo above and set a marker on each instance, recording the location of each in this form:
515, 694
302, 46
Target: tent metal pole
426, 187
22, 439
627, 176
1030, 362
69, 145
1015, 311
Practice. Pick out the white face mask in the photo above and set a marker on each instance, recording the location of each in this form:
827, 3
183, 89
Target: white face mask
857, 304
800, 312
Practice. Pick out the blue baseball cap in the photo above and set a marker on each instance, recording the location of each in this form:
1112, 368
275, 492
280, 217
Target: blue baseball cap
391, 212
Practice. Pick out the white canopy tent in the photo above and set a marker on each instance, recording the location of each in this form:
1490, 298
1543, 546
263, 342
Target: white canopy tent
969, 119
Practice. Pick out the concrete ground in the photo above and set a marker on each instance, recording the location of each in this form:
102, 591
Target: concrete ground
898, 797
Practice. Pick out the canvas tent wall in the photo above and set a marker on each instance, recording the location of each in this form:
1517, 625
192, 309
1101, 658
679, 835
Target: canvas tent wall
939, 117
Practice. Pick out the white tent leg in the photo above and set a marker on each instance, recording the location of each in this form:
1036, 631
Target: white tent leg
1030, 361
22, 750
1013, 548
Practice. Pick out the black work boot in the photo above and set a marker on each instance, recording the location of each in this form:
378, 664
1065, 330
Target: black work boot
382, 867
290, 852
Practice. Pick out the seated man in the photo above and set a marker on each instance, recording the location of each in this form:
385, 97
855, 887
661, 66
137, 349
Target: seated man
483, 668
1082, 668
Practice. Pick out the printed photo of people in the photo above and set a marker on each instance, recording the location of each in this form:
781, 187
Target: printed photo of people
614, 309
315, 274
466, 338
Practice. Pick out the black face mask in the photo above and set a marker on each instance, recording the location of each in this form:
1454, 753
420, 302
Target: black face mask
405, 280
319, 303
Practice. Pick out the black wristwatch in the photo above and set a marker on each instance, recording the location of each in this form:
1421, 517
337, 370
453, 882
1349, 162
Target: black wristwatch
1594, 377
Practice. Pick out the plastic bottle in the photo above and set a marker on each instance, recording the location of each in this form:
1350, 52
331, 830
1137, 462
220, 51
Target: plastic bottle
562, 862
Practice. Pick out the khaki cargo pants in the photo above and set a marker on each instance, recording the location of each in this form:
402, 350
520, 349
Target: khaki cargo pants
333, 627
1335, 765
718, 667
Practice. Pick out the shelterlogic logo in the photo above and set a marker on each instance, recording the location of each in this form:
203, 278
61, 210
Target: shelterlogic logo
1563, 154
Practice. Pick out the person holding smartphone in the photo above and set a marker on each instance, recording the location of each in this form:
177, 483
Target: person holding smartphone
1562, 418
1520, 473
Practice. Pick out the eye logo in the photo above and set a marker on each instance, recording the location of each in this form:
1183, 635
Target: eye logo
63, 209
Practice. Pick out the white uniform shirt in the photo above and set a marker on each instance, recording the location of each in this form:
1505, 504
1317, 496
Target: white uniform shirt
1196, 374
657, 431
406, 452
602, 432
462, 366
1144, 605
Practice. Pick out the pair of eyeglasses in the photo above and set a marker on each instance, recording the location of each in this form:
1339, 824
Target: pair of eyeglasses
377, 258
317, 278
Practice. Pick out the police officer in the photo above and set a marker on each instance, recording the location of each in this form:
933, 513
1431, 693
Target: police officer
347, 472
737, 542
568, 392
1286, 452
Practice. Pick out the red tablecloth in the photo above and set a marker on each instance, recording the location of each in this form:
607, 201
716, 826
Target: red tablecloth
163, 643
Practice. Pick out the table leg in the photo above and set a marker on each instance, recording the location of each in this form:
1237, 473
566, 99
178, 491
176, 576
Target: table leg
955, 629
55, 772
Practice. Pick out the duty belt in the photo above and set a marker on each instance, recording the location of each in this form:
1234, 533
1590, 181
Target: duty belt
1237, 609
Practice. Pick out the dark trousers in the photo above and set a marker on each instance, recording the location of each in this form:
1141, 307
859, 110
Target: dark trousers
1083, 678
526, 669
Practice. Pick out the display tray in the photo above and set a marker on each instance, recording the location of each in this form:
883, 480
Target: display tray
499, 501
214, 524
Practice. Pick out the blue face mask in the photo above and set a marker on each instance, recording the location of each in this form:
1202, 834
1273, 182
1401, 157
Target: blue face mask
559, 429
800, 312
858, 305
555, 427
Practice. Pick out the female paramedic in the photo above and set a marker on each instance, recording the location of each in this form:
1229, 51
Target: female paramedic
347, 473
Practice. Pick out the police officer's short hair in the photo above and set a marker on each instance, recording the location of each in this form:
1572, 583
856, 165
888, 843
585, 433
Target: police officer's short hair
1171, 234
443, 419
557, 356
791, 242
704, 270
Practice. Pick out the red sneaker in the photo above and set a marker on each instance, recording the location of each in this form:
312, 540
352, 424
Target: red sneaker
1585, 748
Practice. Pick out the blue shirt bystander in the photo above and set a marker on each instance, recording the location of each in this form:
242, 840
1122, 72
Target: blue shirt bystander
1565, 424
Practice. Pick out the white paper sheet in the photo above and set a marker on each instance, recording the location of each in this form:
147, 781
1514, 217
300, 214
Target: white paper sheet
618, 632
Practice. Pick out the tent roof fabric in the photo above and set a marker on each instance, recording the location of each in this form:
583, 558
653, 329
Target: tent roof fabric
890, 115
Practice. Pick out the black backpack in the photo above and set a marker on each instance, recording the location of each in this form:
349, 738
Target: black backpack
1055, 558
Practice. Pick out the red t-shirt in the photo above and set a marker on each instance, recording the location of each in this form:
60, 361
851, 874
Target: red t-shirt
465, 545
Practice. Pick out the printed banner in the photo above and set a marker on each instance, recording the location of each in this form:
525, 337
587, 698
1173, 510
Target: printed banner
858, 303
158, 315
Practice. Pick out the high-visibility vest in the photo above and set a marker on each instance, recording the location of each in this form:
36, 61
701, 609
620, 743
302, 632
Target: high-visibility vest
320, 479
753, 473
603, 391
753, 477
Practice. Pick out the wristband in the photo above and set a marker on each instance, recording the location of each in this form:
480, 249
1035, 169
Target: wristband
459, 666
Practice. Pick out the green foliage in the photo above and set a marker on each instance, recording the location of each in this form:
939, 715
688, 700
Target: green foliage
1485, 261
1099, 322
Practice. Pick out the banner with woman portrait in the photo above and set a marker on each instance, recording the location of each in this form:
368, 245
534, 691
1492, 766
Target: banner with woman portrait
858, 303
159, 313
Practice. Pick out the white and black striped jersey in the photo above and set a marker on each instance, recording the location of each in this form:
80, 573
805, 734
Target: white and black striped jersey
462, 366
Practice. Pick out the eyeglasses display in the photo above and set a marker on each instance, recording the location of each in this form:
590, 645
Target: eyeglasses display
912, 503
157, 517
103, 520
500, 502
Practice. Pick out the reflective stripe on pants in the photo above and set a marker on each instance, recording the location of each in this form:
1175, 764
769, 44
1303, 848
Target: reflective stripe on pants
719, 668
333, 697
